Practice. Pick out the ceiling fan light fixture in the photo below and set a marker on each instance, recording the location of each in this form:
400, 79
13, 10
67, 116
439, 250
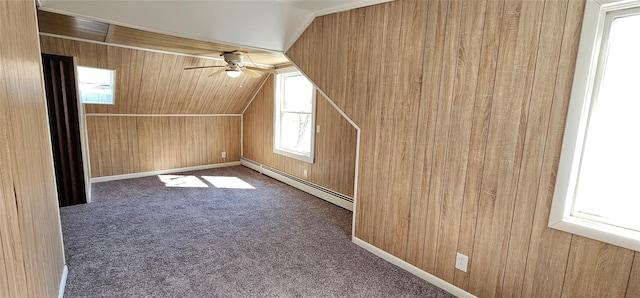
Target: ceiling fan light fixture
234, 73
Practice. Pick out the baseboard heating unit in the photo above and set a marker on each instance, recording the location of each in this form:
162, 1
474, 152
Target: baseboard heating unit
301, 184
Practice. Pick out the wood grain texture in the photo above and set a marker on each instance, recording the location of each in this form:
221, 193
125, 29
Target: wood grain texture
335, 145
420, 225
403, 140
535, 137
549, 248
634, 279
132, 144
156, 83
612, 265
462, 111
374, 139
479, 132
79, 27
31, 251
86, 28
484, 132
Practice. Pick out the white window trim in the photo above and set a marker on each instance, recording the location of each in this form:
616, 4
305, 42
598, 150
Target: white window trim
577, 117
292, 154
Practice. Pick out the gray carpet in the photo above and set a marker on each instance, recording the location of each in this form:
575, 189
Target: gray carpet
140, 238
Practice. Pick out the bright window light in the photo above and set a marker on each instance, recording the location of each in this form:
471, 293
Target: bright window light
228, 182
97, 85
294, 116
182, 181
606, 189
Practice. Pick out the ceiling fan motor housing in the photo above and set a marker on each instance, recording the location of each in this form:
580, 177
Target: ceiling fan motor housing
233, 58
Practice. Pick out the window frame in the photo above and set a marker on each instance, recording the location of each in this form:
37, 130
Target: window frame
113, 85
278, 91
587, 78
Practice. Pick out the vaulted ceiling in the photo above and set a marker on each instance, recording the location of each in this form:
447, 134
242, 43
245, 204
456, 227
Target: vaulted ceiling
117, 30
92, 30
271, 25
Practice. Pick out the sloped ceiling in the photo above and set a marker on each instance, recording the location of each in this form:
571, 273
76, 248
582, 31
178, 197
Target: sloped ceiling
149, 82
262, 24
82, 28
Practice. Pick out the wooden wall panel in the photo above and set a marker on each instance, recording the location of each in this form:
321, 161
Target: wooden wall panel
542, 97
424, 163
479, 131
376, 93
335, 145
484, 133
132, 144
596, 269
31, 251
634, 280
472, 16
155, 83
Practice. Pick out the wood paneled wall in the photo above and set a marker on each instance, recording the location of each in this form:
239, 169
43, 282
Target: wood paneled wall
124, 145
156, 83
335, 145
462, 106
31, 252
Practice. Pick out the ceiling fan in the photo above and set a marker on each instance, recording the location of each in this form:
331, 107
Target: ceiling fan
235, 66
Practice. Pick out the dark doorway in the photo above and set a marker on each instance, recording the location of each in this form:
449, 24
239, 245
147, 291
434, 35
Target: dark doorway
62, 103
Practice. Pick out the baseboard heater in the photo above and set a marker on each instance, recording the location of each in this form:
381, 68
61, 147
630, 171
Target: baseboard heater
301, 184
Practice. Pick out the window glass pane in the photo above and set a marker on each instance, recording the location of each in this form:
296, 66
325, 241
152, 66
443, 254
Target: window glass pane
610, 165
96, 85
297, 94
295, 132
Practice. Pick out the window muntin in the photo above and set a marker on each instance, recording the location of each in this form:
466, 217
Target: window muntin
294, 116
595, 195
97, 85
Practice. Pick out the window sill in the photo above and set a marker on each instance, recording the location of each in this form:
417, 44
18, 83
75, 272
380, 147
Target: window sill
598, 231
294, 155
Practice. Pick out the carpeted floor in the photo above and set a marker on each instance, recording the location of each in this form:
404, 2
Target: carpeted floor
140, 238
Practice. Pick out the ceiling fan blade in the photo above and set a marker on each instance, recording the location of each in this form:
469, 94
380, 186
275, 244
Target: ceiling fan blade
272, 71
199, 67
251, 73
217, 72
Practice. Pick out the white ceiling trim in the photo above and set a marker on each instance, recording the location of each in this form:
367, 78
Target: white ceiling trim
271, 25
349, 6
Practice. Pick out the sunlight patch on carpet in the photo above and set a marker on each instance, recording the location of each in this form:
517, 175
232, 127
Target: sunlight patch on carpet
181, 181
228, 182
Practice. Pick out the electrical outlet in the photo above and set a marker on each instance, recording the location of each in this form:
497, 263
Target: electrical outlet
224, 154
462, 262
305, 173
318, 128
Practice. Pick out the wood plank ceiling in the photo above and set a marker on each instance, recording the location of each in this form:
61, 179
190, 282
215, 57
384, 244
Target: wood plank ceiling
152, 82
89, 29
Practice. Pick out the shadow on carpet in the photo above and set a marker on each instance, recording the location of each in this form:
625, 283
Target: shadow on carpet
251, 236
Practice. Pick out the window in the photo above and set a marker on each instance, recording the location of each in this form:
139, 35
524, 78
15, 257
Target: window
596, 193
96, 85
294, 116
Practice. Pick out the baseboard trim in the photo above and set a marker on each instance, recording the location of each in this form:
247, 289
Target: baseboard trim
325, 195
458, 292
63, 281
169, 171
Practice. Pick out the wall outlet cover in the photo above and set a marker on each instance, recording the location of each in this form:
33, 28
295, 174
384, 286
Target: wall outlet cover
462, 262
